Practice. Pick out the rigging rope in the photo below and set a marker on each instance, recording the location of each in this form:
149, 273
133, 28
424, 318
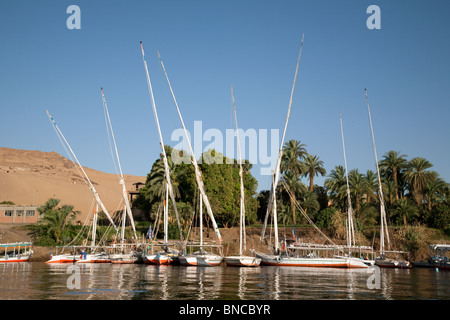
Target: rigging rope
304, 213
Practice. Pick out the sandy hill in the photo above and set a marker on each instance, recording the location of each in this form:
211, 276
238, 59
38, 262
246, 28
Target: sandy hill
32, 177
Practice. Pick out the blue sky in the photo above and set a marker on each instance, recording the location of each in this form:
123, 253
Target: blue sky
207, 46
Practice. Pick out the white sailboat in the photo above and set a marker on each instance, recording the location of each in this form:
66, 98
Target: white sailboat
93, 256
162, 257
303, 255
122, 253
351, 246
201, 258
383, 261
241, 260
213, 259
73, 257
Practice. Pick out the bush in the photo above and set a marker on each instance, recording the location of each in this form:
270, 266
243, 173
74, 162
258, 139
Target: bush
323, 219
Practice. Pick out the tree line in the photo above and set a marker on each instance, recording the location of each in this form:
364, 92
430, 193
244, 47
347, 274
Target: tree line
414, 194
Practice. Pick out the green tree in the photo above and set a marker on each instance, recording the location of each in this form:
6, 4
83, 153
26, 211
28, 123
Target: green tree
336, 185
309, 202
371, 184
435, 190
404, 211
290, 182
418, 177
368, 215
57, 220
357, 185
392, 163
293, 153
323, 218
313, 166
222, 186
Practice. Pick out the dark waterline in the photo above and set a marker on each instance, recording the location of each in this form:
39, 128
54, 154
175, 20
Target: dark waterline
40, 281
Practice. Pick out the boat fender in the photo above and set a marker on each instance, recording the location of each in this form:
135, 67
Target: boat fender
278, 258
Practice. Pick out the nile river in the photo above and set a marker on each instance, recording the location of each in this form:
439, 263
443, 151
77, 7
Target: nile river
40, 281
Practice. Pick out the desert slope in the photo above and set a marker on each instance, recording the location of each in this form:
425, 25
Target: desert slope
32, 177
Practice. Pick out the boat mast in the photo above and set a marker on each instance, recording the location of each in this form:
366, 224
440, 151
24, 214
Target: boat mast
242, 206
121, 179
275, 217
94, 227
198, 174
201, 222
384, 228
166, 215
91, 186
272, 195
350, 232
166, 165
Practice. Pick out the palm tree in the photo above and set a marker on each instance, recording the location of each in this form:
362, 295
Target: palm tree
404, 210
389, 190
336, 185
57, 219
292, 182
313, 166
156, 182
357, 187
368, 215
392, 164
293, 152
436, 188
371, 184
309, 202
418, 177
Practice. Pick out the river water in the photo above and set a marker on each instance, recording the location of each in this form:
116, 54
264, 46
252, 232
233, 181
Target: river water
40, 281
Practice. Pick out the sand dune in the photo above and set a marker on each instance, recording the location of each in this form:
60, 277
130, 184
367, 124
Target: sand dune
32, 177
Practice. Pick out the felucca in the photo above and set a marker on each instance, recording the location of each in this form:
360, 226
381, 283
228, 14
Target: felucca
200, 258
165, 256
383, 261
304, 255
351, 247
206, 258
63, 258
241, 260
122, 253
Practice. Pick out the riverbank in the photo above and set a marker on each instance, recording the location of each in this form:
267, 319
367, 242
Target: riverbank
416, 238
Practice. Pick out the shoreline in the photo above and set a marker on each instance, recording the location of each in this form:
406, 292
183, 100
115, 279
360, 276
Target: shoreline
230, 240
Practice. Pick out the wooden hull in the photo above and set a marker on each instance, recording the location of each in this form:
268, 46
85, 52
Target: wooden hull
63, 258
21, 258
242, 261
275, 260
157, 259
201, 260
391, 263
443, 266
188, 260
94, 258
356, 262
123, 259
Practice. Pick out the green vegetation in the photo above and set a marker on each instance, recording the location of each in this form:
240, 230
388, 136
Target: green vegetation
414, 194
56, 224
222, 185
416, 197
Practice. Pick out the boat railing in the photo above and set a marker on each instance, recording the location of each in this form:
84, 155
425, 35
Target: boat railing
15, 248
